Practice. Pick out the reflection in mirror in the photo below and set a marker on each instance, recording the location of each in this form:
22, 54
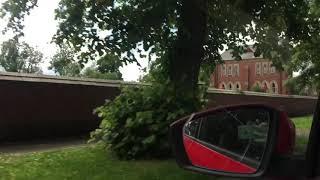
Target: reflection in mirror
228, 140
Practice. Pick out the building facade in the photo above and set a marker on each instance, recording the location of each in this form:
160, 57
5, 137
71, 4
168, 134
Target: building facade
250, 74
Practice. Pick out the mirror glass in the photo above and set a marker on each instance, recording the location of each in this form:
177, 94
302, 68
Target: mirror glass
231, 141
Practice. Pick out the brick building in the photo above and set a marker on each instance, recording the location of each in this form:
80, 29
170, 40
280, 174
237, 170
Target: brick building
248, 74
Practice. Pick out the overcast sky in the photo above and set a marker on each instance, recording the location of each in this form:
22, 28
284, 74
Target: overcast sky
40, 26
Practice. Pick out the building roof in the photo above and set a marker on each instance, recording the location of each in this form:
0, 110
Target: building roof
227, 55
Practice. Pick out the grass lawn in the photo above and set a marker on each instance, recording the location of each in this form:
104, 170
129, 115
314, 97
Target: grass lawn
88, 162
93, 162
303, 126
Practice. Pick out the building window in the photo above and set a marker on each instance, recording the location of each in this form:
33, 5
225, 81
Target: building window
230, 86
265, 86
238, 86
223, 86
265, 68
274, 87
223, 70
258, 68
230, 70
236, 70
272, 68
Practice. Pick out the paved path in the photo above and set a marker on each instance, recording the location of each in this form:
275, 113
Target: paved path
41, 145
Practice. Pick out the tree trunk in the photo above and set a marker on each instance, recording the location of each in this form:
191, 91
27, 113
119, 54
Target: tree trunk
187, 53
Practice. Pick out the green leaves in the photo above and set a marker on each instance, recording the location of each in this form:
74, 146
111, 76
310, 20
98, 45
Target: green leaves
136, 123
149, 140
16, 11
63, 62
20, 57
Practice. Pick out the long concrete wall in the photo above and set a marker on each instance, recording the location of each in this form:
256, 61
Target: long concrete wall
37, 106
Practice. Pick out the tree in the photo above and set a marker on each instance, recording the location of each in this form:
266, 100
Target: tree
20, 57
107, 68
186, 34
92, 72
296, 87
306, 57
63, 62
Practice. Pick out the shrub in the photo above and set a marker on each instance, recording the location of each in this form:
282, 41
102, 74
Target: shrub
257, 88
136, 123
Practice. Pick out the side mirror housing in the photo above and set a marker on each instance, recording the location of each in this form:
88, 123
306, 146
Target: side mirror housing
235, 141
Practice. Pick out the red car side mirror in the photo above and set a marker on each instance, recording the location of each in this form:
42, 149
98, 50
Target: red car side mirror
236, 141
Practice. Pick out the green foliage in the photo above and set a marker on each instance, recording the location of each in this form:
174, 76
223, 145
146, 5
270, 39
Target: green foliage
107, 67
20, 57
158, 71
136, 123
257, 88
155, 25
16, 11
97, 28
109, 63
297, 86
205, 73
305, 57
92, 72
63, 62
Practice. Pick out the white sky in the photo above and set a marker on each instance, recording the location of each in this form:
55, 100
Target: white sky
40, 26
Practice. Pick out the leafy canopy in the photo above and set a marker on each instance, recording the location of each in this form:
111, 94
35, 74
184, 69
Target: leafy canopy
63, 62
20, 57
306, 57
119, 26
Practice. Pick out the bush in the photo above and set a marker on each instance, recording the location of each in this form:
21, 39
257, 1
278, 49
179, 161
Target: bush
136, 123
257, 88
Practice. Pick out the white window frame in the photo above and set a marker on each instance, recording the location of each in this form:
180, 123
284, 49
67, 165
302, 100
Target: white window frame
276, 88
229, 68
258, 68
272, 69
265, 68
267, 84
223, 70
236, 70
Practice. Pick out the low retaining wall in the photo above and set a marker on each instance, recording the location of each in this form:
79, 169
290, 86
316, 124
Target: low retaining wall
293, 105
37, 106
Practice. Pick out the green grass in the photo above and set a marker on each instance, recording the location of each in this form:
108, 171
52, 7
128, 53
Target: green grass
303, 126
303, 123
89, 162
93, 162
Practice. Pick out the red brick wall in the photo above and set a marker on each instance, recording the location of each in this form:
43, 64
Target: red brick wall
247, 75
